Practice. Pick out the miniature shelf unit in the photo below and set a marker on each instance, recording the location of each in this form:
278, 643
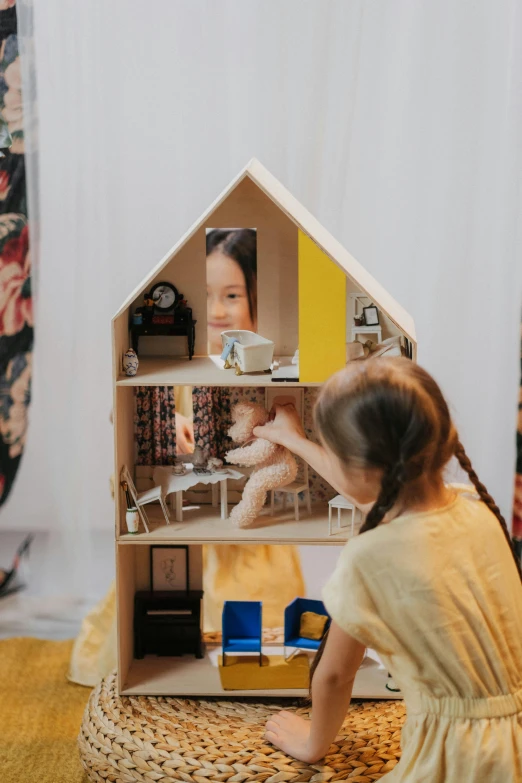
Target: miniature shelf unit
305, 286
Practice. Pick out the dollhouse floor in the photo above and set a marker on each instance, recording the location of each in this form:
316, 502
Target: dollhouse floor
188, 676
200, 371
203, 524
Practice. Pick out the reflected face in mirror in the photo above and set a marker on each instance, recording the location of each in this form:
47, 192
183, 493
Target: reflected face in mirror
231, 294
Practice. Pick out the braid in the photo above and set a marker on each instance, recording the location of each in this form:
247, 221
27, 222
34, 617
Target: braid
465, 464
392, 483
317, 658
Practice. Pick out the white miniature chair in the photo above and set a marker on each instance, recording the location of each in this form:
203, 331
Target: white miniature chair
301, 484
339, 503
142, 498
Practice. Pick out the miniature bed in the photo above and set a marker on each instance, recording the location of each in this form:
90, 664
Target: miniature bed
311, 293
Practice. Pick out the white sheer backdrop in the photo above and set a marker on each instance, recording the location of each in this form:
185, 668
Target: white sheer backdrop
398, 124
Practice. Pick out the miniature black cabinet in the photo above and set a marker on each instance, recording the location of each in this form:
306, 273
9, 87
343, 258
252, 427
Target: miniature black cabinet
177, 326
168, 623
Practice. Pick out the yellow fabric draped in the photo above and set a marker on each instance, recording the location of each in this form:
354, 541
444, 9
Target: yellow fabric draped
268, 573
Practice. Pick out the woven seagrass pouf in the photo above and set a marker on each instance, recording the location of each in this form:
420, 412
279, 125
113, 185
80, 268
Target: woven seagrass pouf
144, 738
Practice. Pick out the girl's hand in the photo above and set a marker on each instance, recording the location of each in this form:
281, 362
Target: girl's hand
284, 427
291, 734
184, 434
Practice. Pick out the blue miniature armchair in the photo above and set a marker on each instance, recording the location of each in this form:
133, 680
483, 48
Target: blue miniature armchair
242, 624
293, 614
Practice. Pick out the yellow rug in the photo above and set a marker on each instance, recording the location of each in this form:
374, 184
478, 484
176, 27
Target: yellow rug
40, 713
243, 672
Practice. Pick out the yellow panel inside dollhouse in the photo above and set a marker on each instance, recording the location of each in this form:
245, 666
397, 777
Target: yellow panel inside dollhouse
277, 308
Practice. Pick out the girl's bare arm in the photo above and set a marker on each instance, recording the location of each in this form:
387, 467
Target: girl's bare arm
331, 694
286, 429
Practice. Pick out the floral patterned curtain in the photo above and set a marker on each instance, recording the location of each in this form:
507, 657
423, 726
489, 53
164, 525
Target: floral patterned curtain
212, 419
155, 428
16, 312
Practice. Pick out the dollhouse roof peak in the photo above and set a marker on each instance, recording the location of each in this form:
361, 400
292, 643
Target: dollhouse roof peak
310, 226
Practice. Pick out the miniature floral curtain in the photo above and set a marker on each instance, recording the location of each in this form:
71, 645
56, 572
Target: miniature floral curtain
16, 311
155, 429
212, 419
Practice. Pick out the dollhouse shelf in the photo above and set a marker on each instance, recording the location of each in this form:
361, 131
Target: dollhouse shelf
199, 527
201, 371
187, 676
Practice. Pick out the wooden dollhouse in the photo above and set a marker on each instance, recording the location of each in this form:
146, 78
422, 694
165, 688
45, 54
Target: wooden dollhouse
309, 292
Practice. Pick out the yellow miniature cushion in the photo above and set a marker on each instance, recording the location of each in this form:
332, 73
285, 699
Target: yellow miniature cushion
312, 625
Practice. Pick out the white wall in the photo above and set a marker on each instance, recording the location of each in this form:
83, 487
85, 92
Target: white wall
397, 124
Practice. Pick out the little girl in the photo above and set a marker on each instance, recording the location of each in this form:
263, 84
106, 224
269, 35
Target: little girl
431, 583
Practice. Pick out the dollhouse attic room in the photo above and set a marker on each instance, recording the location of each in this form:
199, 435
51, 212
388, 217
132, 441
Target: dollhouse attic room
181, 361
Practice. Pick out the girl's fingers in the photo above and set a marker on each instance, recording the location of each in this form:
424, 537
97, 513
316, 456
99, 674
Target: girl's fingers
271, 727
279, 718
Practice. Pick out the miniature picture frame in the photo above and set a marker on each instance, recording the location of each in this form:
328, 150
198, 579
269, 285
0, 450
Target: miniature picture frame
169, 568
371, 316
277, 396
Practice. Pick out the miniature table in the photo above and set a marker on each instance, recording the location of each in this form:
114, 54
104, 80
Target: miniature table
377, 330
172, 482
339, 503
180, 329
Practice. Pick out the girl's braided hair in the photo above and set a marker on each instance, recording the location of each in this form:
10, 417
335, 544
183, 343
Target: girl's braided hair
390, 414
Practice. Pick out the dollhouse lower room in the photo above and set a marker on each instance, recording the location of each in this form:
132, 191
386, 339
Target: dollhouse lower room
165, 649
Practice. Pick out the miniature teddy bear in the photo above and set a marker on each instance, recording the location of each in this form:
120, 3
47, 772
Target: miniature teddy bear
274, 466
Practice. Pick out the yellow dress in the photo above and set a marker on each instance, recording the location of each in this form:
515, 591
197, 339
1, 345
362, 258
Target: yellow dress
268, 573
438, 596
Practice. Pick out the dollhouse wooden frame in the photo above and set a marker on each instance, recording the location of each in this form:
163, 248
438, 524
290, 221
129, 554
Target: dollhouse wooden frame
301, 269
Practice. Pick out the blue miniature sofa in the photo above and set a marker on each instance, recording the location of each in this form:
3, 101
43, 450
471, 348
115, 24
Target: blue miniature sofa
242, 627
293, 614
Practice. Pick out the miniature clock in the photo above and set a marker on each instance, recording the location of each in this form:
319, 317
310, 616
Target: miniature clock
164, 313
165, 296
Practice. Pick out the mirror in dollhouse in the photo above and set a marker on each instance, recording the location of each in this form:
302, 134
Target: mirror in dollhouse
231, 270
